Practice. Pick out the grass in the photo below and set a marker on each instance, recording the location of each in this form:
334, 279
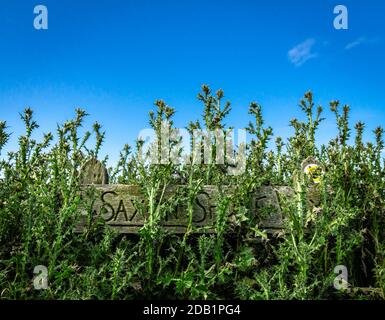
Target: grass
343, 224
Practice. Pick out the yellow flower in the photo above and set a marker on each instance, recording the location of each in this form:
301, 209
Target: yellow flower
317, 180
314, 171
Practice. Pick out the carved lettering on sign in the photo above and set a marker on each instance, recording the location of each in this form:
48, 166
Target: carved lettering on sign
117, 206
122, 207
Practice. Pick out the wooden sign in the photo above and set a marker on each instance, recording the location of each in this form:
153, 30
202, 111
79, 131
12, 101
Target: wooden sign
121, 207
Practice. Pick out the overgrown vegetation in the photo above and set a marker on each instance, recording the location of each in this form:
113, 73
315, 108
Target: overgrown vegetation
39, 207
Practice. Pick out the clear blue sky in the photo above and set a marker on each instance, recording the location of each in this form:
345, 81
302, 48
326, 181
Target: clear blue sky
114, 58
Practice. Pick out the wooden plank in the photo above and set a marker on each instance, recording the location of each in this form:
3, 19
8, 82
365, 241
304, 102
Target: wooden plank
117, 205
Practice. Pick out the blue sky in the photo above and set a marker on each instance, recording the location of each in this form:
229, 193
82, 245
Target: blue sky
114, 58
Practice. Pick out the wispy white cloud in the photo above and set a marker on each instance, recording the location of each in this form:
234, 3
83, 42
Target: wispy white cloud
362, 40
355, 43
302, 52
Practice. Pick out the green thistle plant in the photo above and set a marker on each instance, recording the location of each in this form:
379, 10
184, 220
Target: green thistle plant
40, 207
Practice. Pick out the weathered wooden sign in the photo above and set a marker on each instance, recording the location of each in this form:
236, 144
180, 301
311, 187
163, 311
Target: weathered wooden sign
118, 205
